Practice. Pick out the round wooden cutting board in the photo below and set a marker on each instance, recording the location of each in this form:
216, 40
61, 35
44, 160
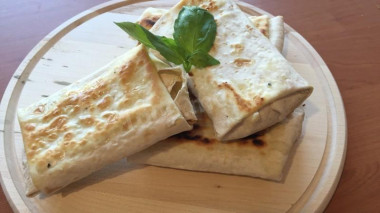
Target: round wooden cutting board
90, 40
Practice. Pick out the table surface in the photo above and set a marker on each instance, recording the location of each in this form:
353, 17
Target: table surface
346, 33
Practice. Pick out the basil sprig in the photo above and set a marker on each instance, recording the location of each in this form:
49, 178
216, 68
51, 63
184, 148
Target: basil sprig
194, 34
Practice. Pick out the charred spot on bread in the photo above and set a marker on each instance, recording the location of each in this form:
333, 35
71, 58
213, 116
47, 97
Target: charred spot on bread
254, 139
258, 142
189, 137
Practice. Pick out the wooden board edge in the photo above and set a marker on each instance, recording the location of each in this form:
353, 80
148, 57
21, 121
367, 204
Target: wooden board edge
318, 195
249, 8
7, 184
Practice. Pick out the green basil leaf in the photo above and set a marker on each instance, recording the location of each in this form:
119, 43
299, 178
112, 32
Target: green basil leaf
136, 31
194, 29
187, 66
194, 34
166, 46
179, 51
202, 59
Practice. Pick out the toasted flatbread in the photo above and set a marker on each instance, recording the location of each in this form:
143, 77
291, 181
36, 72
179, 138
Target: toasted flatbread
263, 154
117, 111
272, 28
253, 87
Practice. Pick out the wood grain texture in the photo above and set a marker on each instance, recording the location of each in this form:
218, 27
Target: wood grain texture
345, 33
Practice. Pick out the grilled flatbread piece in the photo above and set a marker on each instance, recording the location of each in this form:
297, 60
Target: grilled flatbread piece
120, 110
150, 16
263, 154
276, 32
272, 28
254, 86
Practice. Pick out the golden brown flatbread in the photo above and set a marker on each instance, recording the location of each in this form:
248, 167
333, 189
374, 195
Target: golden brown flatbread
263, 154
120, 110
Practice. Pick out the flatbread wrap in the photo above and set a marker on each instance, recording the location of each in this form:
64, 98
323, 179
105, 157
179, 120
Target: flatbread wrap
262, 155
253, 87
119, 110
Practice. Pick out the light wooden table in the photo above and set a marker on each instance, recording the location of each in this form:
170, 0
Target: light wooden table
345, 33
